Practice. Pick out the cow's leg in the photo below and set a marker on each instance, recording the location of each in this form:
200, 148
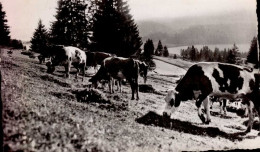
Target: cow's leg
83, 70
109, 85
77, 73
136, 88
67, 70
258, 109
224, 106
206, 107
132, 88
199, 100
120, 86
250, 116
112, 85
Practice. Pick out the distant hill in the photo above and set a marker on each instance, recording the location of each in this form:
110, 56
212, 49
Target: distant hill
236, 27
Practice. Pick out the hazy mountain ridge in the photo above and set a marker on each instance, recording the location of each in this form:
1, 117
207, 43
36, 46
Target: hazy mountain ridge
238, 27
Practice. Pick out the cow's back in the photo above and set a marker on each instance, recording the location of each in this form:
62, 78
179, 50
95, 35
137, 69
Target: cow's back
219, 78
75, 55
114, 65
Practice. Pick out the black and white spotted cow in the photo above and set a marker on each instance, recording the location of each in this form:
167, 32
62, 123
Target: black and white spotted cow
219, 80
67, 56
121, 68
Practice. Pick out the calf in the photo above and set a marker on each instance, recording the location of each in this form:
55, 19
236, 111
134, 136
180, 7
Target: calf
215, 79
67, 56
96, 58
120, 68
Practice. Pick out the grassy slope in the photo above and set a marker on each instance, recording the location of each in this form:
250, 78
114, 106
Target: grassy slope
41, 114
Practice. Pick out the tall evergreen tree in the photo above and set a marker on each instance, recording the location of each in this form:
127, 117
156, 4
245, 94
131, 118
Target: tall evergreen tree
252, 56
40, 39
232, 55
4, 28
71, 25
148, 48
165, 51
159, 49
114, 30
193, 53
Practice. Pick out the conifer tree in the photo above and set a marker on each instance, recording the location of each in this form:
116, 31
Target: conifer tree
4, 28
148, 49
71, 25
252, 56
40, 39
165, 51
114, 30
232, 55
159, 49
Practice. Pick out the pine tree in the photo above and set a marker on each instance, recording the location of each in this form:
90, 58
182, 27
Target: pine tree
148, 49
4, 28
159, 49
192, 53
165, 51
114, 30
252, 56
39, 40
232, 55
71, 25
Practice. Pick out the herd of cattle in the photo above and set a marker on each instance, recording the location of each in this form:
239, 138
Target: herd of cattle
201, 82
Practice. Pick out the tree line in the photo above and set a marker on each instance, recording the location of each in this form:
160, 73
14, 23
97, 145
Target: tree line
95, 25
230, 55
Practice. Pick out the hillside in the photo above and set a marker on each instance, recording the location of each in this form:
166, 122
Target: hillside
42, 113
235, 27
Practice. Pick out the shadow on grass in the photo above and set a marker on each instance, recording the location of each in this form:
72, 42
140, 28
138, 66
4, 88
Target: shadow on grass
52, 79
63, 95
217, 114
153, 119
99, 99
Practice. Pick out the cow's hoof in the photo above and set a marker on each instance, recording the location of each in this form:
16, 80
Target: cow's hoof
207, 122
202, 118
247, 130
137, 99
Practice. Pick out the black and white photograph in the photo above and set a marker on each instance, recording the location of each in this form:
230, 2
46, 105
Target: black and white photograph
129, 75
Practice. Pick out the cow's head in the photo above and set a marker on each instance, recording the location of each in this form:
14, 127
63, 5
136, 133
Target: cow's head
173, 101
50, 67
143, 69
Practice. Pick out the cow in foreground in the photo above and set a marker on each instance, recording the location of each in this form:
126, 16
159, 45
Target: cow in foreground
219, 80
67, 56
121, 68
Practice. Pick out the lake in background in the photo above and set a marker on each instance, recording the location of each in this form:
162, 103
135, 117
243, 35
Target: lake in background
241, 47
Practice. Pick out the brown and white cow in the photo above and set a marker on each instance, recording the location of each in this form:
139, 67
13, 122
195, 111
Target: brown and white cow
67, 56
120, 68
219, 80
96, 58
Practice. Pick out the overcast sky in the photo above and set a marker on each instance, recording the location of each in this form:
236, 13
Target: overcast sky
23, 15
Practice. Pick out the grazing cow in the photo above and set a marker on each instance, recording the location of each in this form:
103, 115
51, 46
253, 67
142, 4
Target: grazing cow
96, 58
216, 79
120, 68
67, 56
